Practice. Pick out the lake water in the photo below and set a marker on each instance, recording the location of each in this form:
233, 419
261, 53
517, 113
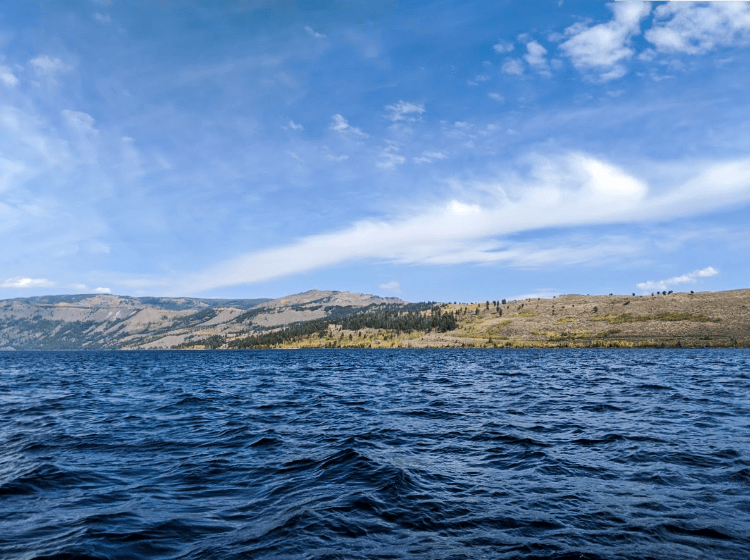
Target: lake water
564, 454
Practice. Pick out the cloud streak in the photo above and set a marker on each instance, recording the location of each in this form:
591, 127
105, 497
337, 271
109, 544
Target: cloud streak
391, 286
404, 111
20, 282
689, 278
571, 191
341, 125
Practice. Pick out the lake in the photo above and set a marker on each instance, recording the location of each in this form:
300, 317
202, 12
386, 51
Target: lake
335, 454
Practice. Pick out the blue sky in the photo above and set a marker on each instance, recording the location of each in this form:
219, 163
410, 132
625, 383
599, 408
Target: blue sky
448, 151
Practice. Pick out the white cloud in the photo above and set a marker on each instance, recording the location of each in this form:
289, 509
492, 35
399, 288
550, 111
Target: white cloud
7, 76
102, 18
48, 67
342, 157
603, 47
513, 66
696, 28
535, 55
294, 126
79, 121
404, 111
313, 33
21, 282
340, 124
9, 171
391, 286
569, 191
429, 157
689, 278
101, 290
502, 47
389, 160
496, 96
648, 55
481, 78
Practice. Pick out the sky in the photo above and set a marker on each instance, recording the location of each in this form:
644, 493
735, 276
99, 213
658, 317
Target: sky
429, 150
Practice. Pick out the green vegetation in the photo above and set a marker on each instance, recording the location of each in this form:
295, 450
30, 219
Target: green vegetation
565, 335
482, 329
212, 342
396, 321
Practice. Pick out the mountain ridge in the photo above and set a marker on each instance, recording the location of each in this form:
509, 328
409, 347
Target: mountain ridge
105, 321
325, 318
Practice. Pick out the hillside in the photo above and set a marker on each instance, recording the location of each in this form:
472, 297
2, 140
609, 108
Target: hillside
349, 320
118, 322
707, 319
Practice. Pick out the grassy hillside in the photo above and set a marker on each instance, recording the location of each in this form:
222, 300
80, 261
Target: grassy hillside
324, 319
707, 319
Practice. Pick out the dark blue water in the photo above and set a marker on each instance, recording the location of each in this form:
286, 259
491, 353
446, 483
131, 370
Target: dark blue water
376, 454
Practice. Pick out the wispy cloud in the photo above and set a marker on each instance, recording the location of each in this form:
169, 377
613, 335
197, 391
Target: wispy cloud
313, 33
390, 158
294, 126
79, 121
574, 190
513, 66
48, 67
696, 28
478, 79
689, 278
7, 76
502, 47
429, 157
21, 282
340, 124
392, 286
404, 111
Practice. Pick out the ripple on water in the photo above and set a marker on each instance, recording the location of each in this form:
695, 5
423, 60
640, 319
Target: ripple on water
375, 454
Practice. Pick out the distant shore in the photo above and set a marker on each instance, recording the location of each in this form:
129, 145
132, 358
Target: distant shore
329, 319
672, 320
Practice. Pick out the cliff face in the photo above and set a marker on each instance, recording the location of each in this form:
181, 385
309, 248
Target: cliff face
116, 322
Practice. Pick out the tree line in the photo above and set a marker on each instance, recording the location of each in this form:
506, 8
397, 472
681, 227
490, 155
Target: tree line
392, 320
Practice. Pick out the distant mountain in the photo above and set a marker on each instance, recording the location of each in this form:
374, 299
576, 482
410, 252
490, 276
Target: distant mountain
174, 304
123, 322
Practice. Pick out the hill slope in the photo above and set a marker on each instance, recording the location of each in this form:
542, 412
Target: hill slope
117, 322
344, 319
705, 319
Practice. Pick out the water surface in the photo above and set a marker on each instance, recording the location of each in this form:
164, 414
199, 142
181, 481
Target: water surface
375, 454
